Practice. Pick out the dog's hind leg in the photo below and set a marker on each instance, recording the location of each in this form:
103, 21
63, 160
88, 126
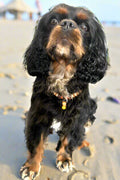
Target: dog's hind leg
84, 144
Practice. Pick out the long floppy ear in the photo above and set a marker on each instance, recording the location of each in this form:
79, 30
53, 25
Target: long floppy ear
36, 60
93, 65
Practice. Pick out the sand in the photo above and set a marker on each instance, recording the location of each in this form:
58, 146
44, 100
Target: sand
101, 161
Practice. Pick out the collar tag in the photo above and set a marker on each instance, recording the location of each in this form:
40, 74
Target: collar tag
64, 104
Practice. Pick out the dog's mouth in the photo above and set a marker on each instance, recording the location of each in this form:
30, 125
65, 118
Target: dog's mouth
65, 45
63, 49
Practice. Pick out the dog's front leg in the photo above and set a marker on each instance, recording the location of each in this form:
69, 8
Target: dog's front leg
30, 170
64, 155
36, 134
67, 144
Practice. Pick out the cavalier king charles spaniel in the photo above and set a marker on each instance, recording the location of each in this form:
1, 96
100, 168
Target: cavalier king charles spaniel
68, 51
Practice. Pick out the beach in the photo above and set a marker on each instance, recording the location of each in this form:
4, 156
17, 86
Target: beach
101, 160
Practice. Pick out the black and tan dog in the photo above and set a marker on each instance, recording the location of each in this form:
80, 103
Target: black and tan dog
68, 51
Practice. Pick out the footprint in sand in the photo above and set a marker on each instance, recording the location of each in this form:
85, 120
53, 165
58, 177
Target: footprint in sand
93, 178
79, 174
108, 140
111, 121
85, 162
89, 151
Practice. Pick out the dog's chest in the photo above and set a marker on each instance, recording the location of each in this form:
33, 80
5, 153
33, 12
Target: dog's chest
59, 76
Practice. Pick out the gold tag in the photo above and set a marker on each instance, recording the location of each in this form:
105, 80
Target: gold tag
64, 103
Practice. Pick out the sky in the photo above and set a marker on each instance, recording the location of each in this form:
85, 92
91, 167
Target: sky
105, 10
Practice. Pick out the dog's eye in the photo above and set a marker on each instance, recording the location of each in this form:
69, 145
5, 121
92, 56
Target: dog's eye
84, 27
54, 21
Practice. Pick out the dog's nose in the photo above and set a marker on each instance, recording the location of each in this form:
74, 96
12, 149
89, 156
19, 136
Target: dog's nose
68, 25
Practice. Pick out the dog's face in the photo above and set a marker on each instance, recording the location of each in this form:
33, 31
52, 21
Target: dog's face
69, 34
66, 36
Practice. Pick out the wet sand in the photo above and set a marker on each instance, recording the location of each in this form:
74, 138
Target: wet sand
101, 161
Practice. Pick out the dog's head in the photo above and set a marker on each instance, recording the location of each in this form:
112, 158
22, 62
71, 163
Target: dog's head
70, 34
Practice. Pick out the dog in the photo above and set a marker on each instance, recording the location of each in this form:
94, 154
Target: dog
68, 51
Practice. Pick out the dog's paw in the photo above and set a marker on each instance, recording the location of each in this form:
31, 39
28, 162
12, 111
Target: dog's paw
27, 174
65, 166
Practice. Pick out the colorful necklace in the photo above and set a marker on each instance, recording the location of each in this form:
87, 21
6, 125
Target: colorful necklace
65, 99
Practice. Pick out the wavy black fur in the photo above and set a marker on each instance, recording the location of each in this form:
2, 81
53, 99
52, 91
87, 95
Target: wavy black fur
44, 105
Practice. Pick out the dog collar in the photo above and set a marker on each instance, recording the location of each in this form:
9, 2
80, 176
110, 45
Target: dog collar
65, 99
